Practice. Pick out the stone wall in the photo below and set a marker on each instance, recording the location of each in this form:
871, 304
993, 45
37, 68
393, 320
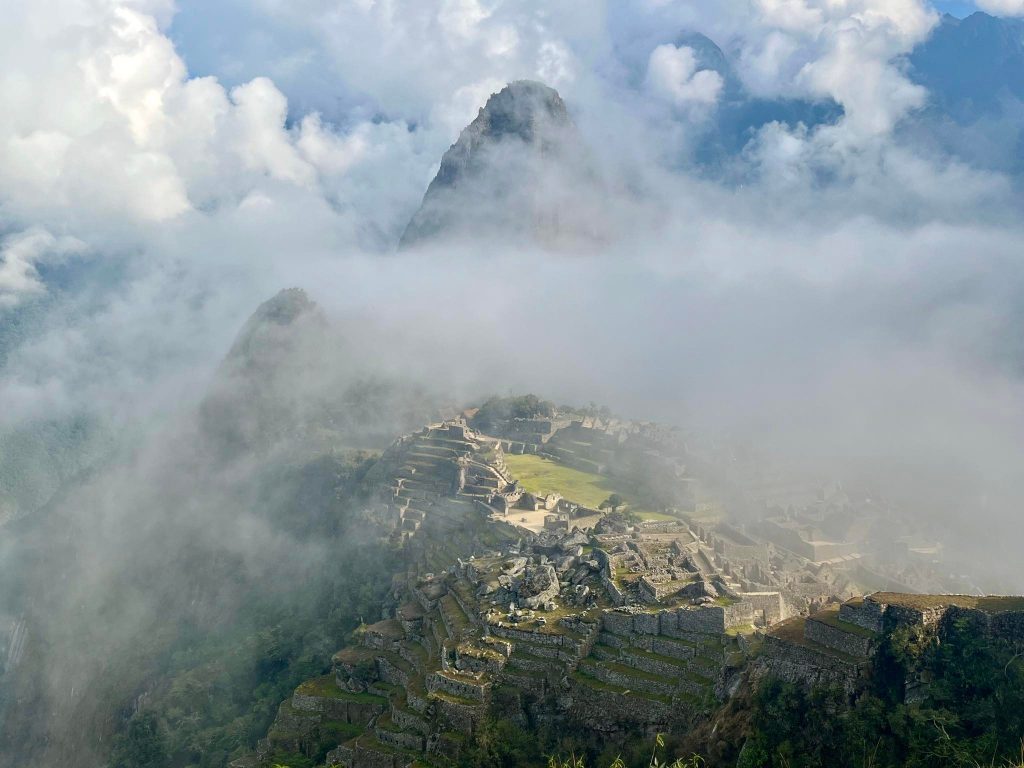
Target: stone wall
528, 665
646, 624
1005, 626
710, 620
341, 755
469, 610
850, 643
525, 635
415, 660
735, 545
410, 721
863, 613
739, 614
466, 689
460, 717
391, 673
344, 710
616, 622
669, 648
707, 620
628, 682
419, 703
367, 757
769, 604
614, 594
653, 666
400, 739
610, 712
805, 666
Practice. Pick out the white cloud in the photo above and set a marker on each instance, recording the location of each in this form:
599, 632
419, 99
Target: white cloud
19, 256
1002, 7
107, 127
264, 145
215, 196
672, 73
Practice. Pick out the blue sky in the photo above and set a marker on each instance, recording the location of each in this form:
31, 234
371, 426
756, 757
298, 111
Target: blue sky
956, 7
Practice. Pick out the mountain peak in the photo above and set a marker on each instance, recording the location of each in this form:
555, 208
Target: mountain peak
490, 178
284, 307
272, 324
524, 108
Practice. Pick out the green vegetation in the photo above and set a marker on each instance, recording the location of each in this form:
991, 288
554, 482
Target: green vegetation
657, 517
36, 460
143, 745
541, 476
792, 631
498, 409
600, 685
612, 503
832, 619
970, 713
991, 604
326, 687
740, 629
216, 681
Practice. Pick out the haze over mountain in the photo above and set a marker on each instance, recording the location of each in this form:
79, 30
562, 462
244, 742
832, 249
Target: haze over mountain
519, 170
792, 229
972, 69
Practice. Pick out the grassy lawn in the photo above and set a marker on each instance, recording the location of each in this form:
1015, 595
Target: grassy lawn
541, 476
656, 516
831, 617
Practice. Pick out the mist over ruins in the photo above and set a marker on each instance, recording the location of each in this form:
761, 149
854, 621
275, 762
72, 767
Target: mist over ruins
450, 384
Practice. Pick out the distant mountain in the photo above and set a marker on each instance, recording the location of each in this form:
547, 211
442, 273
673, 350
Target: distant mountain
262, 384
519, 169
973, 69
40, 457
739, 114
293, 381
230, 547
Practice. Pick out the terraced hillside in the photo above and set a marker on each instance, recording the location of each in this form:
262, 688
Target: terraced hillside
432, 485
629, 627
417, 687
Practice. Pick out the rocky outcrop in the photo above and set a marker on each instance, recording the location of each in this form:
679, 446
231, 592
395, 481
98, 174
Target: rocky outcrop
517, 169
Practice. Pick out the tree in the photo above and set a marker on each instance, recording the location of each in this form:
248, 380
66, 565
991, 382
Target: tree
497, 409
613, 503
143, 746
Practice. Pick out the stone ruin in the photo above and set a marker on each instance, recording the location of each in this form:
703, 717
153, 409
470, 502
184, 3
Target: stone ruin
834, 646
627, 625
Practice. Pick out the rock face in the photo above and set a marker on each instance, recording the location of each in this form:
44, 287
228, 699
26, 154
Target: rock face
538, 586
517, 169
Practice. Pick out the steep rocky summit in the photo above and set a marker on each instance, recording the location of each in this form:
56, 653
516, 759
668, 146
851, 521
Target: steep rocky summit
518, 168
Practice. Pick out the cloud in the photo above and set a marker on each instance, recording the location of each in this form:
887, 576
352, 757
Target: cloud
113, 130
20, 254
673, 73
1002, 7
199, 194
848, 303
